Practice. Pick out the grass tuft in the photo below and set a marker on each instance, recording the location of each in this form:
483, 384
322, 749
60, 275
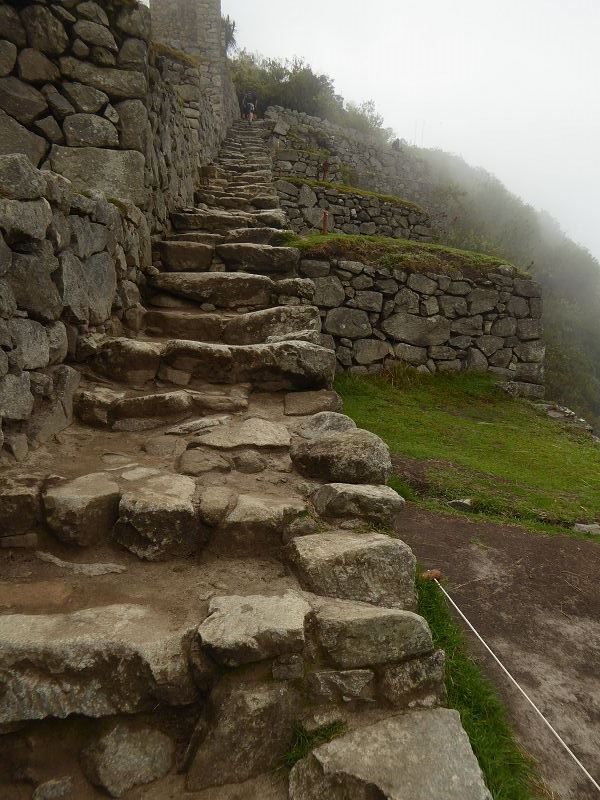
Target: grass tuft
306, 741
509, 772
395, 254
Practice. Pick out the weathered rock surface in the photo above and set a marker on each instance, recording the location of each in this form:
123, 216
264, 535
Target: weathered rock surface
355, 635
325, 423
127, 755
96, 662
419, 682
355, 456
343, 501
417, 756
304, 403
83, 511
240, 630
250, 731
368, 567
20, 505
158, 518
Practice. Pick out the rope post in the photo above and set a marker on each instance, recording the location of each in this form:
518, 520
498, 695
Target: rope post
325, 228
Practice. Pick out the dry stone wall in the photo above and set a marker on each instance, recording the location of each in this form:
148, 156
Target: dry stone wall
301, 143
102, 135
375, 316
350, 212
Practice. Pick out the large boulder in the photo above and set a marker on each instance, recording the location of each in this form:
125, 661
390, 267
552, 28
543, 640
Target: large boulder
127, 755
348, 322
83, 511
378, 505
369, 567
240, 630
90, 130
16, 399
115, 173
45, 32
96, 663
354, 456
158, 518
325, 423
249, 731
30, 279
120, 84
18, 179
355, 635
32, 340
418, 756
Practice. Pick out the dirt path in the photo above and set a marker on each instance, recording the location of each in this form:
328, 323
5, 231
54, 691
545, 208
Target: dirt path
535, 600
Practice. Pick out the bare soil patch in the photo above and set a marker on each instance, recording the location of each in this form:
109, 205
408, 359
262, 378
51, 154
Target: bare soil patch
534, 598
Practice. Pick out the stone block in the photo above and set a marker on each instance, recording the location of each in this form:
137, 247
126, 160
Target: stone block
83, 511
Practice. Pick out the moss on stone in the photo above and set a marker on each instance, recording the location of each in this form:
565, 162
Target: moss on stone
343, 189
400, 254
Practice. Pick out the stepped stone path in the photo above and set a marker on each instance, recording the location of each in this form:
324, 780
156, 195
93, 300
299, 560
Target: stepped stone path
200, 562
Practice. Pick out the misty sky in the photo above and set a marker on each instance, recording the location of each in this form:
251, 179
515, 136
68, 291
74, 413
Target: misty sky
511, 85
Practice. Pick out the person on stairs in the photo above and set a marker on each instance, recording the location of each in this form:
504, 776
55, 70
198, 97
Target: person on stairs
249, 106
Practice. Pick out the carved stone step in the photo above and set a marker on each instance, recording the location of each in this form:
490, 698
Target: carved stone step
254, 327
198, 237
223, 221
272, 367
231, 290
417, 756
255, 235
95, 663
186, 256
260, 258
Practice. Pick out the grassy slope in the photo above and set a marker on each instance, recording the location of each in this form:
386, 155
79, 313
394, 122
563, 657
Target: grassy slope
389, 253
510, 458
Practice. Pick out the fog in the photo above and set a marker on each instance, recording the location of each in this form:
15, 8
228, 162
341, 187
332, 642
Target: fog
511, 86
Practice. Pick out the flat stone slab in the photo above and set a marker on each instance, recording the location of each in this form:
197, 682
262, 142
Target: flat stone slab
241, 630
272, 367
159, 519
368, 567
355, 635
354, 456
346, 501
253, 432
257, 522
423, 755
83, 511
260, 257
186, 256
221, 289
96, 662
304, 403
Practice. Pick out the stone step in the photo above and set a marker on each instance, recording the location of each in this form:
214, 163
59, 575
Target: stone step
368, 567
223, 221
421, 755
255, 235
271, 367
254, 327
259, 258
243, 202
101, 406
197, 236
186, 256
117, 659
287, 365
232, 290
245, 168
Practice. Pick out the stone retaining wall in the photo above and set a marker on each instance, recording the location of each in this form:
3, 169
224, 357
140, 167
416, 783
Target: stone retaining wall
437, 323
118, 128
301, 143
70, 264
350, 212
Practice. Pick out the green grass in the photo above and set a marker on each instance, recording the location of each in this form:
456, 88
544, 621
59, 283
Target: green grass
475, 441
509, 773
399, 254
306, 741
345, 189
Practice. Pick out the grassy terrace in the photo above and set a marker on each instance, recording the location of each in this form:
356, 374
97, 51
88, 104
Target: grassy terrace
459, 436
401, 254
343, 189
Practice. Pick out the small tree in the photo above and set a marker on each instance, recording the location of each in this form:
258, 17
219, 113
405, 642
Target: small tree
229, 27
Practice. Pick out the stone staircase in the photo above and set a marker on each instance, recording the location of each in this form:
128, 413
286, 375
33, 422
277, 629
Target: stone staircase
212, 555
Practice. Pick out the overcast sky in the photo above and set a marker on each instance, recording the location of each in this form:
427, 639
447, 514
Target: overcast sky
511, 85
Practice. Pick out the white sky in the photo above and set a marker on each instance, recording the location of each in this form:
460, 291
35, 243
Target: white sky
511, 85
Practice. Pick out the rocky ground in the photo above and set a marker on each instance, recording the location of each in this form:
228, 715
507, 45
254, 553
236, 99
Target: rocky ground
198, 563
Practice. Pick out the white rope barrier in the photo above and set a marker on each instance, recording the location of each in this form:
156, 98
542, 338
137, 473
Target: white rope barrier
522, 691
